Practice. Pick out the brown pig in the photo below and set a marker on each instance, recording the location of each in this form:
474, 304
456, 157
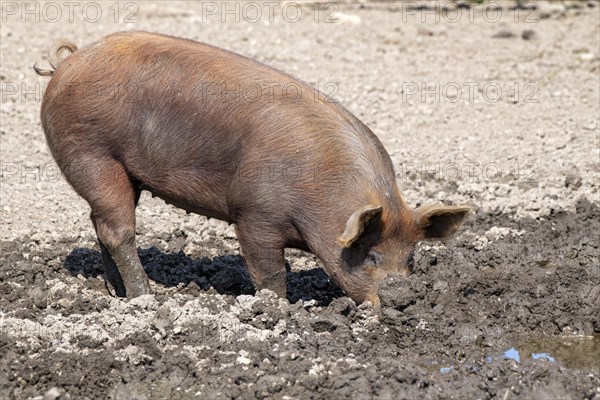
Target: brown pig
221, 135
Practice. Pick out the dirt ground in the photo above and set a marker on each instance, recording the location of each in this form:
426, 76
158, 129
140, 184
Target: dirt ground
484, 105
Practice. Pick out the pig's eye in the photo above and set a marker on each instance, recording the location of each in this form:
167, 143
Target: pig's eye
411, 260
373, 257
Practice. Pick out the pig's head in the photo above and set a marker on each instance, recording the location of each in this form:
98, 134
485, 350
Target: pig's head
377, 242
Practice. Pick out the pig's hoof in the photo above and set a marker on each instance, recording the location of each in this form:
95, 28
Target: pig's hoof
111, 288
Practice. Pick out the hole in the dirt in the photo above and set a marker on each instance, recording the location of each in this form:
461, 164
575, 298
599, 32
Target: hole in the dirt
224, 274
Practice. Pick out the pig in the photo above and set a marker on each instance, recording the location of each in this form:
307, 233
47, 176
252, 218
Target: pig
198, 126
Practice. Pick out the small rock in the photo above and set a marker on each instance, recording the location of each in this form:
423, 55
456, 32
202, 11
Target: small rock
246, 301
323, 325
163, 325
39, 297
56, 394
266, 294
194, 288
425, 32
309, 304
503, 34
528, 184
440, 285
243, 360
573, 182
144, 302
496, 233
390, 316
64, 303
269, 384
480, 243
344, 306
541, 261
528, 34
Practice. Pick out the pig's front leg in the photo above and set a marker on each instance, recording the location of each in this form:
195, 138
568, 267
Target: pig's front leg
264, 256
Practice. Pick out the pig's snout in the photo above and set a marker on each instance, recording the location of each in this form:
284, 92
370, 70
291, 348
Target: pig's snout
374, 299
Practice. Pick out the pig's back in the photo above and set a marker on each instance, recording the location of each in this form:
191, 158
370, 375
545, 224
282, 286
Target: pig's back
155, 78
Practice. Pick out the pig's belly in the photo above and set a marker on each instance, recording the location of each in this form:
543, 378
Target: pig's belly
200, 195
194, 206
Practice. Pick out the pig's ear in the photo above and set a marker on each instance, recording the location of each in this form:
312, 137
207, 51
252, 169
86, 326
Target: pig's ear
358, 222
440, 222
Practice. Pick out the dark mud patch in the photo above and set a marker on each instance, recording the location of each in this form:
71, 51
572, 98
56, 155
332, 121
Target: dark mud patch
441, 333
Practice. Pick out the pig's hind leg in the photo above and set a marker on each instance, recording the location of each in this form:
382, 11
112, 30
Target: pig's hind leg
263, 253
106, 186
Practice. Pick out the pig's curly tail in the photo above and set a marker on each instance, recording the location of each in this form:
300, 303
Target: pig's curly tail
54, 57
